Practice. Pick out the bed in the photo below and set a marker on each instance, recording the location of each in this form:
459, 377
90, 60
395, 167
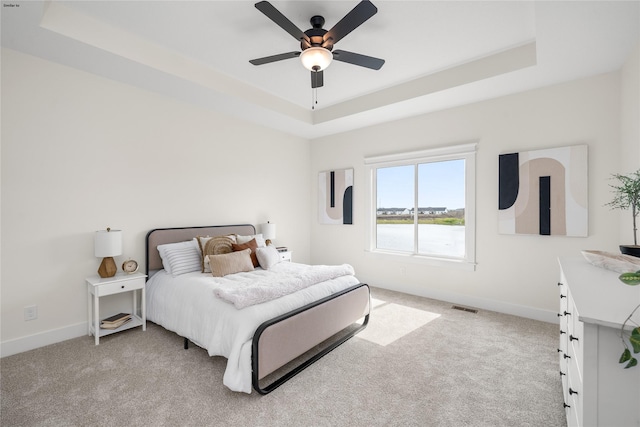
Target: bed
267, 335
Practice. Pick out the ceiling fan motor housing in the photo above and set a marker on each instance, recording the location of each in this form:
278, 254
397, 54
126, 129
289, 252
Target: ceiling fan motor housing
316, 35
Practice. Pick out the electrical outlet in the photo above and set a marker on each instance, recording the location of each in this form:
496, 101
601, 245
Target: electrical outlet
31, 312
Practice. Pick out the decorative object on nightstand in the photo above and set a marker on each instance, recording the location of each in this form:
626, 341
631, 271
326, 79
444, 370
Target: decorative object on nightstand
100, 287
108, 243
268, 232
130, 266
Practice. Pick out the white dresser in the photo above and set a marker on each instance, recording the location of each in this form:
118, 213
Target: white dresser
598, 391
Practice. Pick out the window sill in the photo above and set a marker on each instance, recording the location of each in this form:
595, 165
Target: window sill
422, 259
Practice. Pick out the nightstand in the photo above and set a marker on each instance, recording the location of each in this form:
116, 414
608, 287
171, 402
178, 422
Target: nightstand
285, 256
99, 287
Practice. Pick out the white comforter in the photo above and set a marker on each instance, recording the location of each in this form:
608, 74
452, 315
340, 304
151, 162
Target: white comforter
187, 305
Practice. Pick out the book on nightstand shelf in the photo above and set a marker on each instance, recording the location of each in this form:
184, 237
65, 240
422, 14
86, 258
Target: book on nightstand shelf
115, 325
114, 322
116, 318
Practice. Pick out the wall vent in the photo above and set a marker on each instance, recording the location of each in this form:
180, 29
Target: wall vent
467, 309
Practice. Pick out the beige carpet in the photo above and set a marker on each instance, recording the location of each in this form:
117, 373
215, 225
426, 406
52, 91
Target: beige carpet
393, 321
436, 367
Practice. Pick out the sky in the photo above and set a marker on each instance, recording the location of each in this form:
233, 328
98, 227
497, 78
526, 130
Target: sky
440, 184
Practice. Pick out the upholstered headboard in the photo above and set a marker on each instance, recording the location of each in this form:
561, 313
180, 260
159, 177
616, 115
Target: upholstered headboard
161, 236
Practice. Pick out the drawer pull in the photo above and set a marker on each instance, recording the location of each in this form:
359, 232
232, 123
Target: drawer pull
566, 313
559, 284
562, 373
562, 296
122, 286
559, 314
572, 391
566, 406
566, 356
559, 351
572, 338
562, 332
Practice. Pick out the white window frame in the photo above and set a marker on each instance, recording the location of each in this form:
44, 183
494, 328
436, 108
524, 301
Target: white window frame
466, 152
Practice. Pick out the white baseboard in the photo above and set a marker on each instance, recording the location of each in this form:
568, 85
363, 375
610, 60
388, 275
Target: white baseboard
482, 303
19, 345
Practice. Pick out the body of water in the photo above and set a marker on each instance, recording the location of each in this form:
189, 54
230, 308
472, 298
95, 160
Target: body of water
445, 240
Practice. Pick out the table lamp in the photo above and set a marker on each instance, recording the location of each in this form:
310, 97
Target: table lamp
268, 232
108, 243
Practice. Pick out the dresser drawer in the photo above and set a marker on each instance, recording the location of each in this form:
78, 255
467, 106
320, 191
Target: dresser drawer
575, 335
574, 393
117, 287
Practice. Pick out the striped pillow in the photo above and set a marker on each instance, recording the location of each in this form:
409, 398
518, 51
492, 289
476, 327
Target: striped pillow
180, 258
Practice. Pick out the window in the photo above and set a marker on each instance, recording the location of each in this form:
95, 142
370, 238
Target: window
423, 205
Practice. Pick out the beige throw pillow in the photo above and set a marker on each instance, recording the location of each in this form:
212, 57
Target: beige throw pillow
216, 246
234, 262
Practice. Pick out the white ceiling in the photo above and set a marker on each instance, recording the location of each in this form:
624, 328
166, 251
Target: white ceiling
439, 54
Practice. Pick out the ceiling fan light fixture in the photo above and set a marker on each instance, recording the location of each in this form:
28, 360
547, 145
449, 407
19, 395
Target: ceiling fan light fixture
316, 58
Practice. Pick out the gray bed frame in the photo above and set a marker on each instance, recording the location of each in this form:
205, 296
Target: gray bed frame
285, 338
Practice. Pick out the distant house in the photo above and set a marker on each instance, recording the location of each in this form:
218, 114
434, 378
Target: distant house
392, 211
430, 211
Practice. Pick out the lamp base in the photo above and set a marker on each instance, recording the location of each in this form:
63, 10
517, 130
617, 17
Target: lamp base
107, 267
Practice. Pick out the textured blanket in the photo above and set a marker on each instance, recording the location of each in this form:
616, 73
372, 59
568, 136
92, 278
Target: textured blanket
244, 290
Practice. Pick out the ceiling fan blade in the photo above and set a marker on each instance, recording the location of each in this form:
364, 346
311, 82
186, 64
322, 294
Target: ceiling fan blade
282, 21
358, 59
317, 79
352, 20
274, 58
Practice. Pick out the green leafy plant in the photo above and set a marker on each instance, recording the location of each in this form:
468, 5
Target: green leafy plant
634, 336
627, 196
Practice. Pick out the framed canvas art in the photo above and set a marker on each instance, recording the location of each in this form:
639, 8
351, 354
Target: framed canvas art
335, 201
544, 192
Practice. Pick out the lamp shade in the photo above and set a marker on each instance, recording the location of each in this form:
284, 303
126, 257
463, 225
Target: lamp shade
316, 58
268, 231
108, 243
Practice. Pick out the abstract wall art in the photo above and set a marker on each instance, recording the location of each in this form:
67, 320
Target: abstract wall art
335, 204
544, 192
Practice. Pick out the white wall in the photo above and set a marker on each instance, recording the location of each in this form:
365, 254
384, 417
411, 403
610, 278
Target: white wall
515, 273
80, 153
630, 131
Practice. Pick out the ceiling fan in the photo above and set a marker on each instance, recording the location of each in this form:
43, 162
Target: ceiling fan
317, 43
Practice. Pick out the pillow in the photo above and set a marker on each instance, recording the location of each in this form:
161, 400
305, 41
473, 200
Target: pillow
180, 258
267, 257
251, 244
234, 262
216, 246
244, 239
202, 241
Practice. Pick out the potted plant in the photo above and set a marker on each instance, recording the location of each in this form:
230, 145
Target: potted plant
627, 196
633, 337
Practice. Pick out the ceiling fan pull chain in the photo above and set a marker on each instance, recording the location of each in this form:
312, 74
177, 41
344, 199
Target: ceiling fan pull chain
314, 91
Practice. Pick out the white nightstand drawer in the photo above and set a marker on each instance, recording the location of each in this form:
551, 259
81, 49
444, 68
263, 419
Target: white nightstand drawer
121, 286
285, 256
